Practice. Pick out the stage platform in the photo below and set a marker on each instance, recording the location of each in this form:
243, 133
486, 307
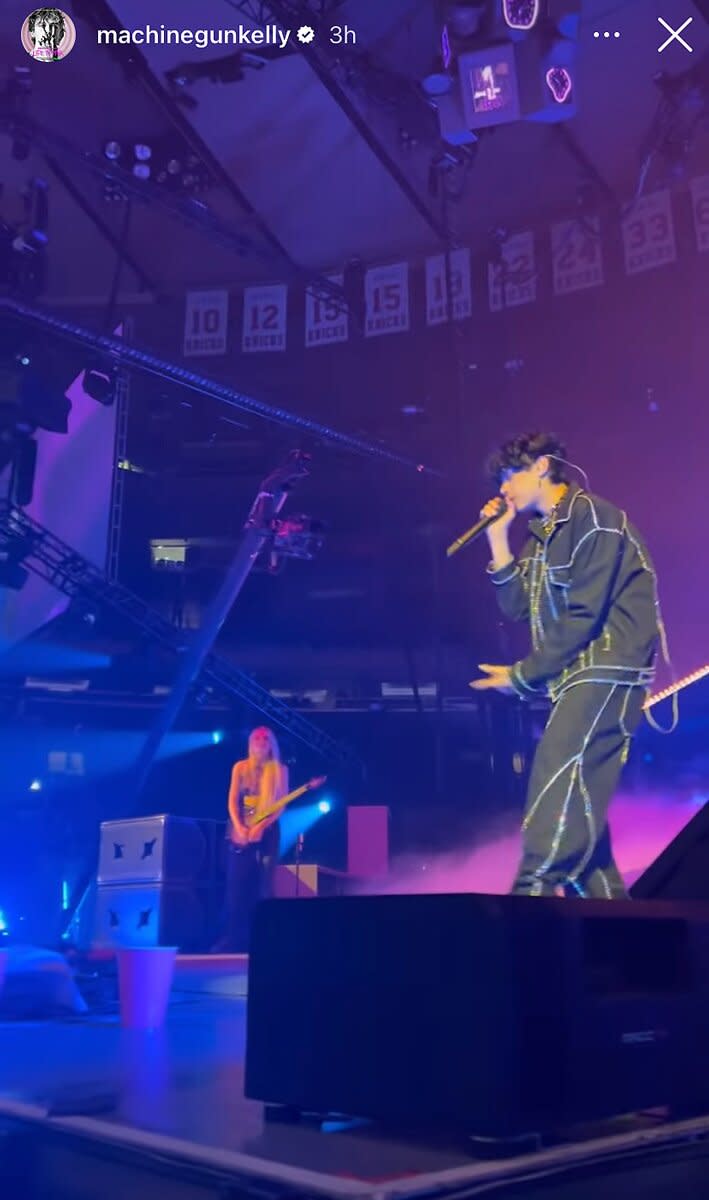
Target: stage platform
90, 1109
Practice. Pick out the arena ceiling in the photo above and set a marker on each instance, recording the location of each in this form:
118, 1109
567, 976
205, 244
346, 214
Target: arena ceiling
303, 176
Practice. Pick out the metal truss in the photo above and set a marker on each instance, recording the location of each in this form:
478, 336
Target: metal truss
122, 406
188, 210
47, 556
131, 356
260, 11
403, 97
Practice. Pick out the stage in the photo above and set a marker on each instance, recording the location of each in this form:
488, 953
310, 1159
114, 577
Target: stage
98, 1109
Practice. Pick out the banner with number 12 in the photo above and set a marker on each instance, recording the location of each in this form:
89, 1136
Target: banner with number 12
265, 318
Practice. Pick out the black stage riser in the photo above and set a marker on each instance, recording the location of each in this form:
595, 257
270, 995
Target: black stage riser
503, 1015
681, 872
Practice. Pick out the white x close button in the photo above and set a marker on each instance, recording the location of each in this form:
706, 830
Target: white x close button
675, 35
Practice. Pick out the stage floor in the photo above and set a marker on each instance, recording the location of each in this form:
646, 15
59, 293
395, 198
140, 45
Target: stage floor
179, 1094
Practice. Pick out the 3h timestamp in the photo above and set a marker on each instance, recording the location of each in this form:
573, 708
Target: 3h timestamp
342, 35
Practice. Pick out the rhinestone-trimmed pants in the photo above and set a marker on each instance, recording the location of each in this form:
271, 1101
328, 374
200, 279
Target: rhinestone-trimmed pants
565, 836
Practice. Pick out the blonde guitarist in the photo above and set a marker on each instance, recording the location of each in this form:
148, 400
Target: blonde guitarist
257, 784
258, 793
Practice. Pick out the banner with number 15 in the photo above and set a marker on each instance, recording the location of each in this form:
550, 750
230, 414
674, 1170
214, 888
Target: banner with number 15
386, 291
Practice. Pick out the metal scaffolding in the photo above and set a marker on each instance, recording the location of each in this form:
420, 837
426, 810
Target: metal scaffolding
47, 556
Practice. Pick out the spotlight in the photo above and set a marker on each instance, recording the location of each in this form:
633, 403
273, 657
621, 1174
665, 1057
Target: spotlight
99, 383
112, 151
36, 785
113, 192
324, 807
141, 170
437, 84
142, 152
217, 737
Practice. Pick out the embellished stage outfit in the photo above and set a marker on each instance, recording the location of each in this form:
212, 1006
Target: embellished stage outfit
587, 586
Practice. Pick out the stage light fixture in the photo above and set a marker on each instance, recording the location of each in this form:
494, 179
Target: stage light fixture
113, 192
99, 383
437, 84
324, 807
142, 152
141, 170
112, 151
217, 737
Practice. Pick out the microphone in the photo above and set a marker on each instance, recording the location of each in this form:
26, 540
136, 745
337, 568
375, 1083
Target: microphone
476, 529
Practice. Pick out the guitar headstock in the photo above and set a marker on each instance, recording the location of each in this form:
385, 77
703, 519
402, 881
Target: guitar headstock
317, 782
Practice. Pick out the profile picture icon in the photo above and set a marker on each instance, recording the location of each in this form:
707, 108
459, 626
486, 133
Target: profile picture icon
48, 35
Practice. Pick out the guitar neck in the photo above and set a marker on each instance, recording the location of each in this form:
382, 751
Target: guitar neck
270, 812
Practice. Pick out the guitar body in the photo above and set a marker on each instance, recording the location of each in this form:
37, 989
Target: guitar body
256, 828
258, 823
249, 809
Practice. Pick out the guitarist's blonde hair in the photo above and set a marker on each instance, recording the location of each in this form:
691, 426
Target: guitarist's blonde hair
275, 753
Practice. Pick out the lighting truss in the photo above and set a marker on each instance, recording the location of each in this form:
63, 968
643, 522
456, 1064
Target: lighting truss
189, 210
46, 556
142, 360
260, 11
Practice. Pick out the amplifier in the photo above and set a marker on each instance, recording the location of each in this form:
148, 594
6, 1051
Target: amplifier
502, 1015
154, 915
158, 849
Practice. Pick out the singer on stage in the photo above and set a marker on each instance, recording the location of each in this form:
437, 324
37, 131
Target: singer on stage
585, 583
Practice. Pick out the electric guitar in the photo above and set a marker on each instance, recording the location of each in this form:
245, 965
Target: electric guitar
257, 825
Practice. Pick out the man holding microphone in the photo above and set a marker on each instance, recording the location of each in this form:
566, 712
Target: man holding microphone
585, 583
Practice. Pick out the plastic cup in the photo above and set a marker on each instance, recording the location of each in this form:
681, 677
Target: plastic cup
144, 981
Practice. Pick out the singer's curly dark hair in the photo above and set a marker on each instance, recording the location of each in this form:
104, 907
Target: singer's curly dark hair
522, 451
